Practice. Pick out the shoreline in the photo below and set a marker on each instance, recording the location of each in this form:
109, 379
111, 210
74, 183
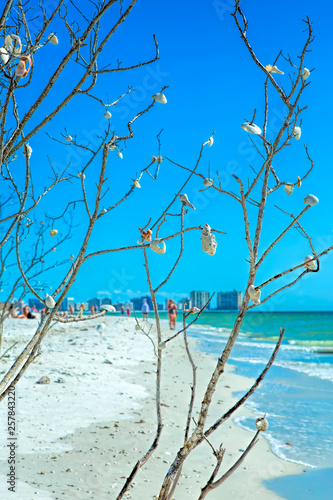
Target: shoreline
101, 374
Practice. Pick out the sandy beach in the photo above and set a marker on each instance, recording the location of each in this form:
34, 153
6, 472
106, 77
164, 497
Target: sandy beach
80, 435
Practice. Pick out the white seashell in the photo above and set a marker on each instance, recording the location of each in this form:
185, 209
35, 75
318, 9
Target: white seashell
108, 307
103, 211
27, 152
208, 182
120, 154
69, 138
311, 200
261, 424
306, 73
53, 232
159, 97
184, 199
81, 175
9, 40
107, 115
210, 141
288, 189
138, 326
251, 128
162, 345
159, 159
208, 240
194, 310
53, 39
112, 147
299, 182
136, 183
297, 133
273, 69
155, 246
254, 294
4, 54
153, 159
310, 265
49, 301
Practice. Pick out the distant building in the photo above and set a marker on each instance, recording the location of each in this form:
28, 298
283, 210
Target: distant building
138, 301
64, 305
36, 303
229, 301
70, 301
187, 303
199, 299
160, 307
94, 302
107, 301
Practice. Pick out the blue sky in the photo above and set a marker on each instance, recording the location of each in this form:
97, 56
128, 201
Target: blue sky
213, 84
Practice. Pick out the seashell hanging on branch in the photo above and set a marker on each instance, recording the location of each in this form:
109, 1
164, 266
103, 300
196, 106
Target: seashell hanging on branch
155, 246
145, 235
311, 200
251, 128
53, 39
107, 115
21, 70
289, 189
208, 240
208, 182
9, 44
49, 301
306, 73
254, 294
159, 97
53, 232
297, 133
261, 424
27, 150
210, 141
69, 138
184, 199
4, 54
310, 265
273, 69
299, 182
136, 183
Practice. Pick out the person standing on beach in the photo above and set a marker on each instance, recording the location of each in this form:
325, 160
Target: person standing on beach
145, 310
122, 310
172, 313
128, 312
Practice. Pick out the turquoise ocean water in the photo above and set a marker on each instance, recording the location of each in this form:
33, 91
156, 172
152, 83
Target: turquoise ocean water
297, 392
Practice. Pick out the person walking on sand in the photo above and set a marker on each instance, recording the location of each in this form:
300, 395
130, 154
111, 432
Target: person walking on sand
145, 310
128, 312
172, 313
122, 310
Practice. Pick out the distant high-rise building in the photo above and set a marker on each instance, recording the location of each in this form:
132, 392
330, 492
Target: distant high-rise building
229, 301
138, 301
187, 303
107, 301
199, 299
160, 307
94, 302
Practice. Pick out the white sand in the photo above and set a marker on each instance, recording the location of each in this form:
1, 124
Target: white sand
90, 424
